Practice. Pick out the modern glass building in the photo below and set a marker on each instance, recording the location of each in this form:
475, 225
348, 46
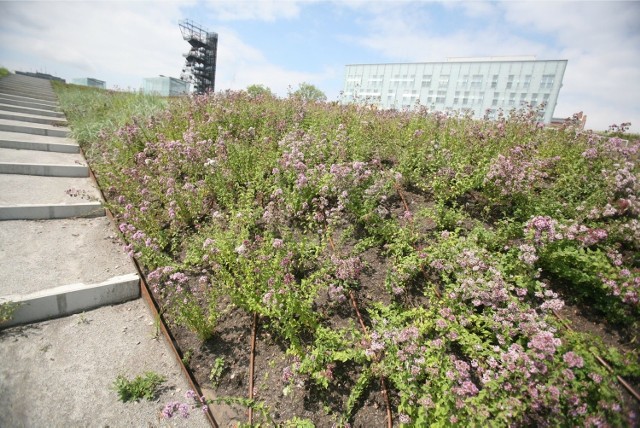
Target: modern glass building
165, 86
480, 85
89, 81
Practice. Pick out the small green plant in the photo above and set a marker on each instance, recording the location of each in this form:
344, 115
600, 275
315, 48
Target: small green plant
141, 387
7, 310
216, 371
186, 358
82, 319
156, 327
4, 72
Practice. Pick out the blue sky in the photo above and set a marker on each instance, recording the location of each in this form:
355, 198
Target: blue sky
281, 43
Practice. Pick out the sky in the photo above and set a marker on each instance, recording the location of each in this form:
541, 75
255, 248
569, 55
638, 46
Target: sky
282, 43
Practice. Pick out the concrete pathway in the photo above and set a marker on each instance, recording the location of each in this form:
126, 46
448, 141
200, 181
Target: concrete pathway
80, 321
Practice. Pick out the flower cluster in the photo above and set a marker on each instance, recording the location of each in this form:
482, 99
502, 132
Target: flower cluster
184, 408
520, 171
544, 230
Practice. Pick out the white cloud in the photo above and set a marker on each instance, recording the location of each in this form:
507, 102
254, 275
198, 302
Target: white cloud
240, 65
98, 39
259, 10
600, 40
122, 42
404, 34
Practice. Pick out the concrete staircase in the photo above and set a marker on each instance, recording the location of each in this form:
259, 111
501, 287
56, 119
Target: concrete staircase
59, 253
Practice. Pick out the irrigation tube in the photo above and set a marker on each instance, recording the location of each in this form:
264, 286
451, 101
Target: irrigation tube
251, 363
152, 305
383, 384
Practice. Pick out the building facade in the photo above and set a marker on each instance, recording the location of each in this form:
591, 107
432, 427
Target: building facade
89, 81
165, 86
480, 85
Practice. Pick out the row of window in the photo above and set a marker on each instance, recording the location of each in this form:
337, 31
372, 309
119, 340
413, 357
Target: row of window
474, 81
464, 98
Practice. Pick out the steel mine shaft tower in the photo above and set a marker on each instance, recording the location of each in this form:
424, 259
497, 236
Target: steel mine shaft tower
200, 65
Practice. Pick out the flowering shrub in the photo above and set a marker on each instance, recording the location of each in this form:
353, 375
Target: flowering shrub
519, 172
276, 206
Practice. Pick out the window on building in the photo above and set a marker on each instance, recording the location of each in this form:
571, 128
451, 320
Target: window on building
456, 99
375, 81
523, 98
547, 81
480, 99
527, 82
465, 99
510, 81
463, 80
534, 100
545, 98
494, 81
512, 99
494, 102
476, 81
441, 97
444, 81
426, 81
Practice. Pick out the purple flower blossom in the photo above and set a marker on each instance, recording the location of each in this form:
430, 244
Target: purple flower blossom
544, 229
302, 180
528, 254
404, 418
169, 409
347, 269
544, 342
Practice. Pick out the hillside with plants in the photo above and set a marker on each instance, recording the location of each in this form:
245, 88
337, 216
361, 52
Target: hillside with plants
419, 266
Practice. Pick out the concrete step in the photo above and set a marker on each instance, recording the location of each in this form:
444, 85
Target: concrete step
17, 140
26, 80
28, 110
28, 102
50, 164
35, 128
29, 93
51, 211
28, 89
26, 197
44, 91
42, 86
33, 118
71, 299
37, 256
66, 368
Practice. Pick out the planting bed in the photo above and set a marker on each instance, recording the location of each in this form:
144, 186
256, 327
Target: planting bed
397, 268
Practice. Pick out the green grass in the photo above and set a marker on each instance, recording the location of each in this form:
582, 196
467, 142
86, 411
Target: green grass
142, 387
